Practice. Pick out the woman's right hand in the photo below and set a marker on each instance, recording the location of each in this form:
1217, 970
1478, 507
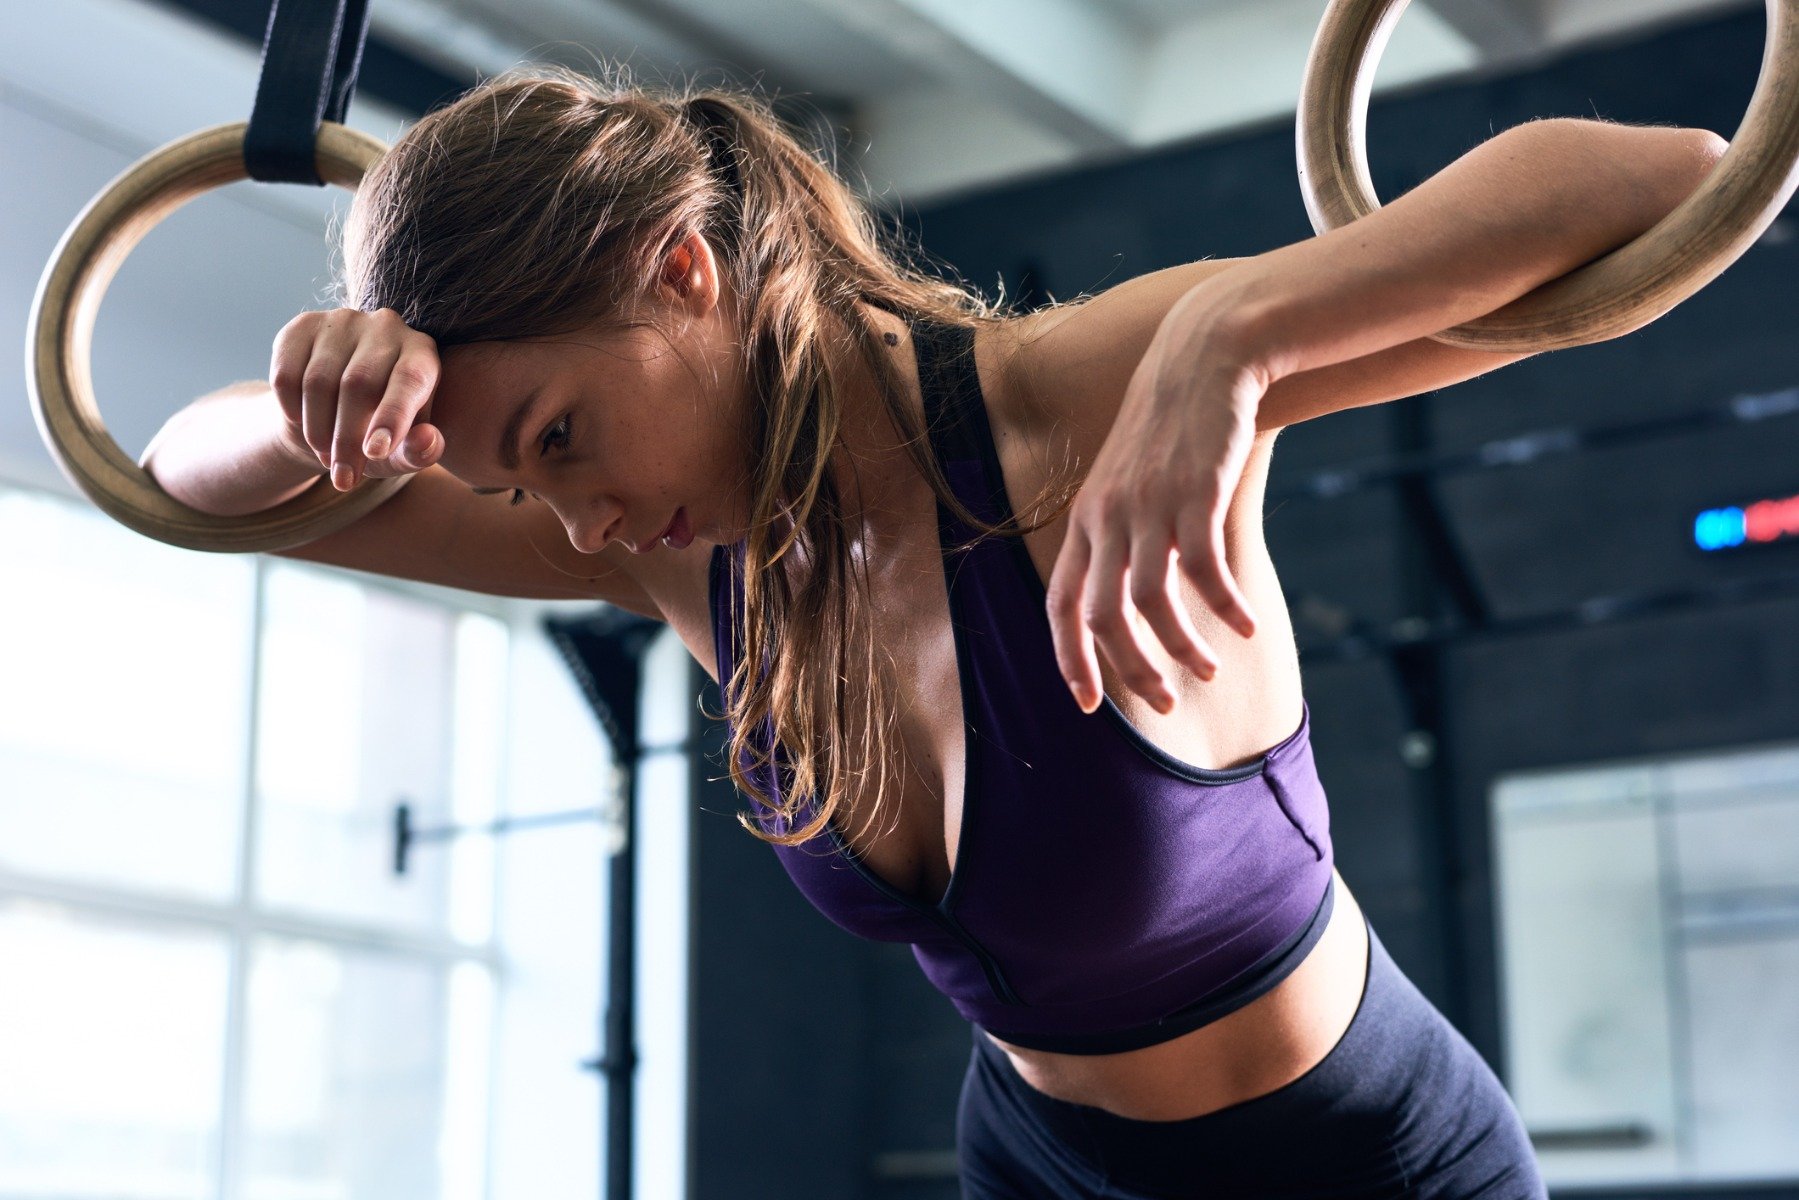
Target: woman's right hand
355, 388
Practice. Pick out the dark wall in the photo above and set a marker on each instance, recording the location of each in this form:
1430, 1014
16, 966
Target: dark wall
846, 1041
780, 1031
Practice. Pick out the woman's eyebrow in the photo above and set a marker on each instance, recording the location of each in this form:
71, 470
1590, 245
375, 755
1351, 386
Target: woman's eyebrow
509, 451
509, 455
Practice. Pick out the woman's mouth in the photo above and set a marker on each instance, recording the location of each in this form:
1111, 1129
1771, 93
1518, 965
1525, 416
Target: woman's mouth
679, 534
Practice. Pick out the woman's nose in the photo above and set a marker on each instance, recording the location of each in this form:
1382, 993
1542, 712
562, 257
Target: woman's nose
587, 535
587, 526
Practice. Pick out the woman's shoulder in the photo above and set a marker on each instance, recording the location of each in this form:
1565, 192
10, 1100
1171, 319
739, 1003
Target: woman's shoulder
1065, 367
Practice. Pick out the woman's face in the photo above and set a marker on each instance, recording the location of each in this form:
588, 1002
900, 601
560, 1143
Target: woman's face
626, 435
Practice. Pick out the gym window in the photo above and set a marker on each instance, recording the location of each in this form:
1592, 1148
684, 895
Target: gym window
213, 983
1649, 954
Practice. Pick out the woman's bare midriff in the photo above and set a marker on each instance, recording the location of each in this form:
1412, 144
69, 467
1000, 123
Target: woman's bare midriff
1263, 1046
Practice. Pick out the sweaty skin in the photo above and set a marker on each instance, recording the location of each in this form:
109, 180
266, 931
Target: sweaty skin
654, 469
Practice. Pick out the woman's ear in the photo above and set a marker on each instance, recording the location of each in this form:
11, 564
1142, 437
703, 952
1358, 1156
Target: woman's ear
690, 272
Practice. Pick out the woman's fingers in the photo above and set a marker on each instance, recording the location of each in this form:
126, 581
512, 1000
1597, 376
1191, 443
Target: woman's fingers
410, 385
420, 448
1073, 640
1154, 594
319, 384
1107, 588
359, 392
1107, 613
1200, 543
287, 364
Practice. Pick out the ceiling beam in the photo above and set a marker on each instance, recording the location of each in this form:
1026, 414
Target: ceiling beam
700, 44
1503, 31
1066, 65
389, 72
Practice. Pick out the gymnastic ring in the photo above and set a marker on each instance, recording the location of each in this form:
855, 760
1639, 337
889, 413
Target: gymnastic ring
1612, 295
59, 346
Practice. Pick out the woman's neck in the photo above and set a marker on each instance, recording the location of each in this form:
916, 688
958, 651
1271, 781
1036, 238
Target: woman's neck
870, 464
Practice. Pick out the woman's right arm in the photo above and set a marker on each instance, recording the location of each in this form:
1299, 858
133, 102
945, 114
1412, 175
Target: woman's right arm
240, 450
334, 377
230, 453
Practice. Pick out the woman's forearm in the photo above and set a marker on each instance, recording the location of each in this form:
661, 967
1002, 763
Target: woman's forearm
1525, 207
229, 453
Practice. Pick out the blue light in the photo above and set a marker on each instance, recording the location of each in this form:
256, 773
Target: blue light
1719, 528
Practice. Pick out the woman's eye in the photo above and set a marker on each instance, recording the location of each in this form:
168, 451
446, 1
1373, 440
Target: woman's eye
557, 435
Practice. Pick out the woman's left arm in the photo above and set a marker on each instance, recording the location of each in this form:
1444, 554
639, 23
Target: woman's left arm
1525, 207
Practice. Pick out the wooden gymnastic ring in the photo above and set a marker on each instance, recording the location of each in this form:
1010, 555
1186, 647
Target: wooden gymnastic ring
60, 342
1613, 295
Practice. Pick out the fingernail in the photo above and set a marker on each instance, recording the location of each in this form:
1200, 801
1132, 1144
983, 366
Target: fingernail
378, 444
340, 477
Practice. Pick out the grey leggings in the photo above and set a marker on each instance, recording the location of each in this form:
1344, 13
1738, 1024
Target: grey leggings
1401, 1106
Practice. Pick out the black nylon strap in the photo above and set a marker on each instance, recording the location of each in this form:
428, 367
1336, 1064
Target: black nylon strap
310, 56
945, 360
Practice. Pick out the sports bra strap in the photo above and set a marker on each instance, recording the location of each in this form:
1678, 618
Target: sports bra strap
956, 418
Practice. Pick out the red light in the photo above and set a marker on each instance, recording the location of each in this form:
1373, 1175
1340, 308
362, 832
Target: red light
1771, 520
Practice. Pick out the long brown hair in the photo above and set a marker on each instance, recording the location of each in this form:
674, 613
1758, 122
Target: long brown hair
542, 202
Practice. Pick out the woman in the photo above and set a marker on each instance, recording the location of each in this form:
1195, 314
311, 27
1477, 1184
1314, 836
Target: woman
675, 344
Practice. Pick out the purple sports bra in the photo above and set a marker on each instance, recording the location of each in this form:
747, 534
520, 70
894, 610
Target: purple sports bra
1106, 895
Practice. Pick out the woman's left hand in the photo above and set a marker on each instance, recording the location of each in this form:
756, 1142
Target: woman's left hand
1156, 496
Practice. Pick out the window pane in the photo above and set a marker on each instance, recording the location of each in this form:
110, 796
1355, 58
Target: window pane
480, 732
347, 1092
111, 1045
552, 924
126, 668
1745, 1002
664, 848
358, 713
1650, 945
1590, 1049
1735, 851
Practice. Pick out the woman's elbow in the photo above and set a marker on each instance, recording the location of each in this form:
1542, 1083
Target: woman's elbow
1666, 165
1686, 156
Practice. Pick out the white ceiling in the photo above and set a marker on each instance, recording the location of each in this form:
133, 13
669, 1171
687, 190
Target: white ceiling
947, 95
1156, 13
936, 96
